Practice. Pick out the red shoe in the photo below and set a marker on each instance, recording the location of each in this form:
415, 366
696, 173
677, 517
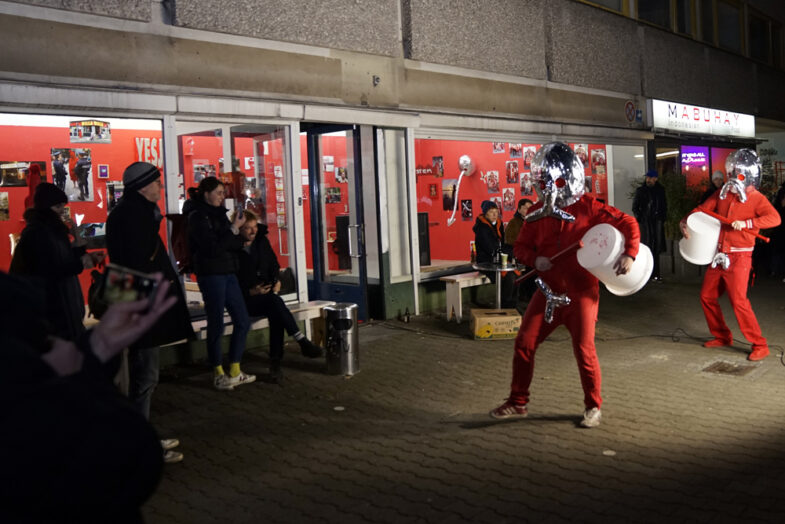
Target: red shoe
509, 410
717, 343
758, 353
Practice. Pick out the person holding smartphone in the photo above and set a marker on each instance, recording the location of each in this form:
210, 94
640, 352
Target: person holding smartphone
47, 254
214, 242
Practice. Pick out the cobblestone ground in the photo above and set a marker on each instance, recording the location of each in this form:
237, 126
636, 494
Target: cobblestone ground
408, 439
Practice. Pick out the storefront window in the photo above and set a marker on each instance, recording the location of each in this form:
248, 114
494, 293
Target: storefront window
84, 156
629, 166
502, 174
695, 165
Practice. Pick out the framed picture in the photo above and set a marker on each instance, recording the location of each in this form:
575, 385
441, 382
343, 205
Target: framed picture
103, 171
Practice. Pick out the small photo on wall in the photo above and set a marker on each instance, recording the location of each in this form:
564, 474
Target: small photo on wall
90, 131
466, 210
433, 190
498, 201
582, 152
516, 151
4, 212
512, 171
340, 175
527, 189
492, 181
14, 174
448, 193
80, 185
103, 171
508, 199
437, 164
528, 154
598, 161
114, 192
333, 195
498, 147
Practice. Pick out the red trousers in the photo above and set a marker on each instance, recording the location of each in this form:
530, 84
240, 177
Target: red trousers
734, 281
579, 318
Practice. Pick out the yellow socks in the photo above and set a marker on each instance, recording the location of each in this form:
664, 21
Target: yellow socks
234, 369
218, 371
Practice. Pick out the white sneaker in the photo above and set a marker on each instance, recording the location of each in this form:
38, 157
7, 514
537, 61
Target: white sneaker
172, 457
240, 379
169, 443
222, 382
591, 418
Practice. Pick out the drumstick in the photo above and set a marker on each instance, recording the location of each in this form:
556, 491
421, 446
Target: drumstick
728, 221
576, 245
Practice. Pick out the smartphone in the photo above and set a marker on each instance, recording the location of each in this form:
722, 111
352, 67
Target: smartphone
126, 285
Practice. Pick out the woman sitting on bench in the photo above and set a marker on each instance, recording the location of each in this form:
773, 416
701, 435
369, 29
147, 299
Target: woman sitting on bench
258, 276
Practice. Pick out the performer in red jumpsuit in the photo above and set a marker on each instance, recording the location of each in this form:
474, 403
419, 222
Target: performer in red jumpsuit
740, 202
559, 219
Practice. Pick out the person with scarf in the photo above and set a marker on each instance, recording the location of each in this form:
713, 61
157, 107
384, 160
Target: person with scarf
489, 242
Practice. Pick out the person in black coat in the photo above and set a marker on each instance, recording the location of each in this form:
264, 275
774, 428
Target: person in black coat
651, 209
72, 449
489, 242
716, 182
214, 243
258, 276
133, 241
46, 254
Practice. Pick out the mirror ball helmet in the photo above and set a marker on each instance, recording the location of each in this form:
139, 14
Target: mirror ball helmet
744, 170
558, 179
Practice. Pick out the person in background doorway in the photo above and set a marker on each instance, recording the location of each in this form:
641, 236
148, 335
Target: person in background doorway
716, 182
214, 243
489, 240
258, 276
133, 241
651, 209
747, 209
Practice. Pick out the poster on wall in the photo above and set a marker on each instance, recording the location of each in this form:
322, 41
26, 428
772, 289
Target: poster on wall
14, 174
498, 147
328, 162
437, 166
581, 151
90, 131
498, 201
526, 185
103, 171
4, 212
114, 191
508, 199
341, 176
492, 181
528, 154
466, 210
333, 195
516, 151
598, 161
512, 171
433, 190
448, 193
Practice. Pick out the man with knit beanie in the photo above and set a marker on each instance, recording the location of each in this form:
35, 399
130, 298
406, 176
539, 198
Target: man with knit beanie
134, 241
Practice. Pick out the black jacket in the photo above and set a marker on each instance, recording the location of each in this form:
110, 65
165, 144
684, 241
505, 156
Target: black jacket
650, 209
44, 255
258, 263
488, 239
132, 241
212, 243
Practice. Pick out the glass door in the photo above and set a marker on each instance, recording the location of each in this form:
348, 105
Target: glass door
337, 227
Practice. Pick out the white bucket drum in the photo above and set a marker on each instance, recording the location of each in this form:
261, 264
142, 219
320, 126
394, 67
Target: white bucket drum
602, 246
704, 232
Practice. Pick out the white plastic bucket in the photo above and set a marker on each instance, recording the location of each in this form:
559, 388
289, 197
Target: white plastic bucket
704, 232
602, 246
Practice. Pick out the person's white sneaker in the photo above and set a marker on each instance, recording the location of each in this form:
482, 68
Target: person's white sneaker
591, 418
172, 457
239, 380
169, 443
222, 383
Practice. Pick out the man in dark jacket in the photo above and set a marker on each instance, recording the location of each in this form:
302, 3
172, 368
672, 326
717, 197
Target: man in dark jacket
133, 241
526, 288
489, 240
650, 209
258, 277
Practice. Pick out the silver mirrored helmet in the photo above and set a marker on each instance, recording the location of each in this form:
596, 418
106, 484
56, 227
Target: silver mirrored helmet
744, 170
558, 179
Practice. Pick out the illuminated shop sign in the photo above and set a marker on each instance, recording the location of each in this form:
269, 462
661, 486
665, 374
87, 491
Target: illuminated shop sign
688, 118
694, 158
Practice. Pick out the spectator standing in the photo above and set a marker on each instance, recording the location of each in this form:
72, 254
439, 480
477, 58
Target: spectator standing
258, 276
46, 253
526, 288
133, 241
716, 182
651, 209
214, 243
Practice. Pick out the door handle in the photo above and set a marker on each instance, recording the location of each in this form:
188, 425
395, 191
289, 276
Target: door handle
359, 230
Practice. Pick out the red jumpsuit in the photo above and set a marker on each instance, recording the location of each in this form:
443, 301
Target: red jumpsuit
546, 237
757, 213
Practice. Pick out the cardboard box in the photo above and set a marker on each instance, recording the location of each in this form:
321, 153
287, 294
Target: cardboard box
495, 324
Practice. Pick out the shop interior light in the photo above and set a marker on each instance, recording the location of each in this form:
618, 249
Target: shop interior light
665, 154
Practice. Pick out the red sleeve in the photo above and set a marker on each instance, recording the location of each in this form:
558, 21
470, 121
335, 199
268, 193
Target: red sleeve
603, 213
765, 215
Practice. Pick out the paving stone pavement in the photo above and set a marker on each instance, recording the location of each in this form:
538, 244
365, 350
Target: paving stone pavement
408, 439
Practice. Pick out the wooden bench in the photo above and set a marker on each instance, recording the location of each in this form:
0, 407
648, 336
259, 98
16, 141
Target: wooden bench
306, 311
455, 283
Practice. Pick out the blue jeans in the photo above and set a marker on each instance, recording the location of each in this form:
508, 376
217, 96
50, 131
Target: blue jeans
219, 292
143, 377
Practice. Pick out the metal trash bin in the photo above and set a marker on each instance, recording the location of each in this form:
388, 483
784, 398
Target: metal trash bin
343, 346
